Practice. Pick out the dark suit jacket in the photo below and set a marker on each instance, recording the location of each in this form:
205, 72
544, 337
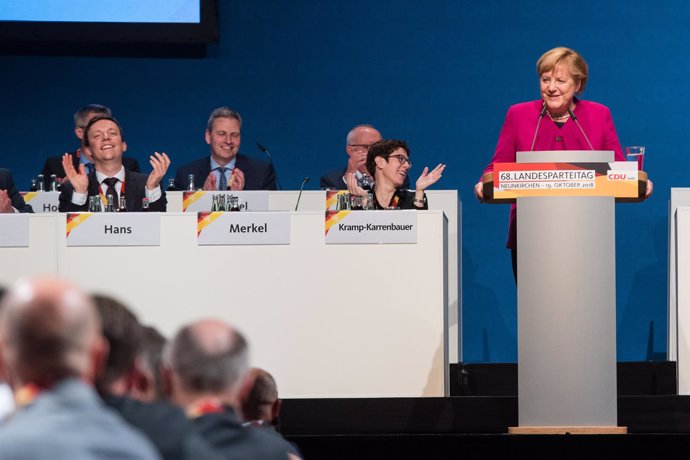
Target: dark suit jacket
405, 200
53, 165
134, 194
334, 180
258, 174
166, 426
226, 434
7, 183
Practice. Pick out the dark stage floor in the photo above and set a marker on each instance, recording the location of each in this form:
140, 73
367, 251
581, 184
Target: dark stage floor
476, 425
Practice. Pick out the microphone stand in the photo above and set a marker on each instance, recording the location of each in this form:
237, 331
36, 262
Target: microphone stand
301, 187
270, 158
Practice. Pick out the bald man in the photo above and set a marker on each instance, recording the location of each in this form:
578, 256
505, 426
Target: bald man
357, 144
126, 386
52, 350
208, 361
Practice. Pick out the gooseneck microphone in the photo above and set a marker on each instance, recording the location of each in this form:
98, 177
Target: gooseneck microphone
270, 158
541, 117
572, 115
301, 187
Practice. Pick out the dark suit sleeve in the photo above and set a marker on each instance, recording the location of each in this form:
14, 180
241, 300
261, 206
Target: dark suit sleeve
17, 200
65, 204
181, 179
326, 182
161, 204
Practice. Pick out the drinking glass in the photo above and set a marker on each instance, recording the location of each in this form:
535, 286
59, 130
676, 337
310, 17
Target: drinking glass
635, 153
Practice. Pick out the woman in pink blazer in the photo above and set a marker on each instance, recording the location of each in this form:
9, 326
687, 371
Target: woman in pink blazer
551, 123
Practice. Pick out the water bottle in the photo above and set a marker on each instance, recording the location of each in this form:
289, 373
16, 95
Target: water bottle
190, 183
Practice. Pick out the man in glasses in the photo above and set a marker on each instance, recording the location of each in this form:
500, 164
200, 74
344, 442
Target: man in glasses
357, 144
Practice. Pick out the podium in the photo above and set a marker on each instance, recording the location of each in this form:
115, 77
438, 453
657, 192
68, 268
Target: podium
566, 285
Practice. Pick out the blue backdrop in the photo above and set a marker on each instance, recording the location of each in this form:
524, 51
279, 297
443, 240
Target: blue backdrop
440, 74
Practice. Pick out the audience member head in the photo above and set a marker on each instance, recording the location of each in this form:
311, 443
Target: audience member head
259, 397
358, 141
152, 353
207, 359
49, 331
124, 334
223, 134
85, 114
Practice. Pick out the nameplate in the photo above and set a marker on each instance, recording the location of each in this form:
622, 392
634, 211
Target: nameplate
113, 229
14, 230
243, 228
364, 227
250, 200
617, 179
42, 201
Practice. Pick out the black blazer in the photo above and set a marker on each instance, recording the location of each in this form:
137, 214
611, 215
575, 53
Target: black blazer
334, 180
7, 183
134, 194
258, 174
405, 200
53, 165
226, 434
166, 426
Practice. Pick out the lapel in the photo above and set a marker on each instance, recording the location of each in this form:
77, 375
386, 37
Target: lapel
132, 187
203, 171
241, 163
93, 184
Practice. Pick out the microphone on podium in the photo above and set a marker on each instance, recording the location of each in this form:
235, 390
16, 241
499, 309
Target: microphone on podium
270, 158
541, 116
572, 115
301, 187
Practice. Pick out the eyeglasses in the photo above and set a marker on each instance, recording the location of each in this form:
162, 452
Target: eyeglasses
402, 159
364, 146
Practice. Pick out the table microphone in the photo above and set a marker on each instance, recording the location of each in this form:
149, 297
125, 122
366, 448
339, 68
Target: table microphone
270, 158
301, 187
541, 116
572, 115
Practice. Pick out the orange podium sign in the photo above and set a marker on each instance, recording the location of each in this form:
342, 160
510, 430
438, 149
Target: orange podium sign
619, 179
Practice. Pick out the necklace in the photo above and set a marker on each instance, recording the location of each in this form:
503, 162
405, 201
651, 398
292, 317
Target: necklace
565, 116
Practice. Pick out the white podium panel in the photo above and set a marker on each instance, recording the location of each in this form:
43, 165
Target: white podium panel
327, 321
682, 284
40, 258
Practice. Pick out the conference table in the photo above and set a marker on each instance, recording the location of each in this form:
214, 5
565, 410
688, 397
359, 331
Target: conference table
328, 320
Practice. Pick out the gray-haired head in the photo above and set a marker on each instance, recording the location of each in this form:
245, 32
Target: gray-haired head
222, 112
209, 357
50, 330
85, 113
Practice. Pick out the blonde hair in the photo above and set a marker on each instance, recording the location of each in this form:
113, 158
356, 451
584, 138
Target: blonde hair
576, 65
